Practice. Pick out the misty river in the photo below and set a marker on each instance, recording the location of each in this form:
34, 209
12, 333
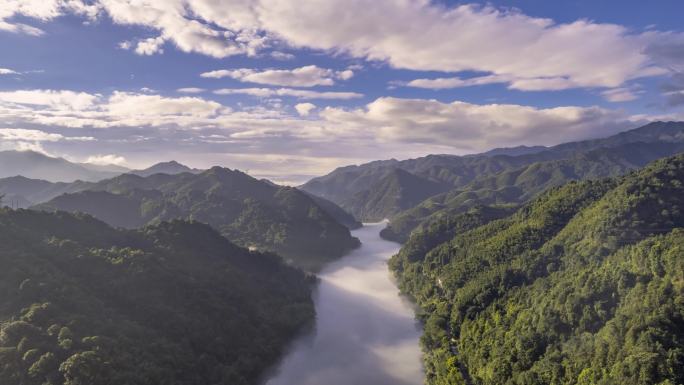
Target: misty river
365, 333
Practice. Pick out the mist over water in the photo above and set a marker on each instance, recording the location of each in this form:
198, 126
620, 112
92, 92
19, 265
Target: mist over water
365, 333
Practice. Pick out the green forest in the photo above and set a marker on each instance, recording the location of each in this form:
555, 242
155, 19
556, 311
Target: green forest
175, 303
248, 211
582, 285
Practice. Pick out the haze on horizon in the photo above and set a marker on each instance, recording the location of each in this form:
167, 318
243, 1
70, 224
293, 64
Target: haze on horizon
292, 89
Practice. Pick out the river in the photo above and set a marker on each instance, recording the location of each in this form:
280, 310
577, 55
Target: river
365, 333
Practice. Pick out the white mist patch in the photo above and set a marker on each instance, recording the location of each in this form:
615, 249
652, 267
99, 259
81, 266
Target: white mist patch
399, 359
365, 331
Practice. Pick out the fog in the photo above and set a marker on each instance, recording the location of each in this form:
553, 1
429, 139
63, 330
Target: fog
365, 333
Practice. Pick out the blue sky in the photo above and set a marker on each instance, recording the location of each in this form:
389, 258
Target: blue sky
306, 86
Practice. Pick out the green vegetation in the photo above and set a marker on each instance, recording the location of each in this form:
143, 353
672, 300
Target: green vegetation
249, 212
522, 184
450, 185
582, 285
176, 303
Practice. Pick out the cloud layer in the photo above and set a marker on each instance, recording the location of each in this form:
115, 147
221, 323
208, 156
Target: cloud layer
527, 52
307, 76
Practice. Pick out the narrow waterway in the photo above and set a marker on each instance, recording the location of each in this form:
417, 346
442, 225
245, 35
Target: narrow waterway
365, 333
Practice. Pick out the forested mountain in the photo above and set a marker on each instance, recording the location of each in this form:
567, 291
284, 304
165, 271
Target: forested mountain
520, 185
398, 190
175, 303
35, 165
582, 285
490, 178
247, 211
23, 192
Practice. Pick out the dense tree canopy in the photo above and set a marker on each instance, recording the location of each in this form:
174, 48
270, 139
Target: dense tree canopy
175, 303
583, 285
248, 211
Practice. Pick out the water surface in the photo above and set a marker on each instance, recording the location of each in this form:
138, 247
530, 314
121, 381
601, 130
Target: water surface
365, 333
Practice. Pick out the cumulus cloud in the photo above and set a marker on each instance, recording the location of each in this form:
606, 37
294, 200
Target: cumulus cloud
304, 109
60, 99
300, 94
7, 71
105, 160
534, 53
307, 76
23, 139
474, 126
42, 10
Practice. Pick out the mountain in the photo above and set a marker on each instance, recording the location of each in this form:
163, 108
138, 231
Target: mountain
22, 192
38, 166
352, 187
335, 211
520, 185
170, 168
398, 190
174, 303
247, 211
583, 284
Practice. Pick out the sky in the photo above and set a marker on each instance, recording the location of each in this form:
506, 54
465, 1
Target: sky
291, 89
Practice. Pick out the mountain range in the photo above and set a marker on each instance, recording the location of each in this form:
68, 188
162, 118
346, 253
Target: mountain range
248, 211
449, 184
35, 165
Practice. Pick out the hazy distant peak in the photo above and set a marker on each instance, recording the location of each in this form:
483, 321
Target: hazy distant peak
515, 151
171, 167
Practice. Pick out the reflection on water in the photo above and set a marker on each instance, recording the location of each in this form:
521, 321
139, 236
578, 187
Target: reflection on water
365, 333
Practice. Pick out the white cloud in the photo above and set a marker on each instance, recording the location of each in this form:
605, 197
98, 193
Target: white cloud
622, 94
535, 53
191, 90
42, 10
278, 55
455, 82
23, 139
150, 46
7, 71
50, 98
307, 76
124, 104
21, 134
473, 126
105, 160
301, 94
304, 109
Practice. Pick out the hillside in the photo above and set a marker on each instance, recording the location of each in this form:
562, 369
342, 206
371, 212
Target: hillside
581, 285
247, 211
353, 187
83, 303
397, 191
522, 184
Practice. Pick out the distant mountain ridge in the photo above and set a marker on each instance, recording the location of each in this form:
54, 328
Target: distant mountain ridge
248, 211
490, 178
170, 167
35, 165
